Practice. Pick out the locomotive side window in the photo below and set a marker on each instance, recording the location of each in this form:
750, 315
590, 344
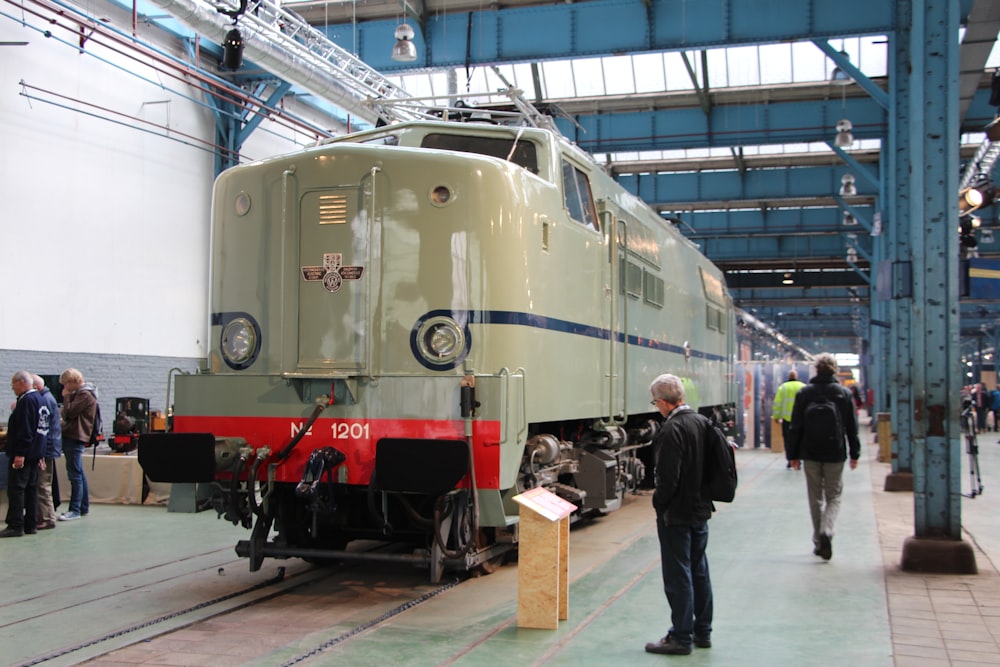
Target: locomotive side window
523, 153
652, 289
715, 301
579, 200
631, 279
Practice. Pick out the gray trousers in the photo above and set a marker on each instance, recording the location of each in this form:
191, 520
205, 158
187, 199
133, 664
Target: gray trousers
824, 482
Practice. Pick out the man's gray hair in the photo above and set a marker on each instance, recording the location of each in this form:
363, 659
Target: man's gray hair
826, 364
23, 376
669, 388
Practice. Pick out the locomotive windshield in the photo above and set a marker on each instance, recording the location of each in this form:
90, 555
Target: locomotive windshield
523, 153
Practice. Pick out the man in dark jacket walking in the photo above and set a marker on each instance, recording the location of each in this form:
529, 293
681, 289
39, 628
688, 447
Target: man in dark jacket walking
681, 519
823, 420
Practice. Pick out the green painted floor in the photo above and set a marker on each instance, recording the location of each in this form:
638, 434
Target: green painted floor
775, 603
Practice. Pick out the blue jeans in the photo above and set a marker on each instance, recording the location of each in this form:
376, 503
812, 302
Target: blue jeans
685, 579
79, 497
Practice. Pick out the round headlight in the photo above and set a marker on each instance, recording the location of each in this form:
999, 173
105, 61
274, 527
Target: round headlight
239, 342
443, 340
440, 342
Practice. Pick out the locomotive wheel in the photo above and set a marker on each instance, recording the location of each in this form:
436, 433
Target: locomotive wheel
484, 538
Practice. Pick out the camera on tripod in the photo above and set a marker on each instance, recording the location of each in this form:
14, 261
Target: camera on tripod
971, 447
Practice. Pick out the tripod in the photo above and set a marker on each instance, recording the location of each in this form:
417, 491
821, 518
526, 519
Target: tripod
972, 449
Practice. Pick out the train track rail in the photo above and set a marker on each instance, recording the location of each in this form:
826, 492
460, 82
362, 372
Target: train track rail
136, 605
353, 597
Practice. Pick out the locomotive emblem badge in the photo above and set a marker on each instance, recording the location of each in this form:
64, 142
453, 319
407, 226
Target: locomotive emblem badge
333, 273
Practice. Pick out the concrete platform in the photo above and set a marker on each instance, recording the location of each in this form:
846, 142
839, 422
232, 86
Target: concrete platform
776, 603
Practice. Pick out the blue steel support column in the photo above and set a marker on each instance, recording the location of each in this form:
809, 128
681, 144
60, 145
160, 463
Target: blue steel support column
896, 393
878, 321
936, 545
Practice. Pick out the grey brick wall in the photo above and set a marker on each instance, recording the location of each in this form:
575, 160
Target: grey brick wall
116, 376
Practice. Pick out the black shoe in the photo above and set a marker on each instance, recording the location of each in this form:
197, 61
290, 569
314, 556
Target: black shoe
702, 642
825, 547
11, 532
29, 532
668, 646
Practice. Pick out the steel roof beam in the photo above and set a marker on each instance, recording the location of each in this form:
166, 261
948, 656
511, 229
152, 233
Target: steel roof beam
469, 37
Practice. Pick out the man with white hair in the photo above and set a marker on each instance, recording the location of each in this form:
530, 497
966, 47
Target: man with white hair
27, 430
682, 516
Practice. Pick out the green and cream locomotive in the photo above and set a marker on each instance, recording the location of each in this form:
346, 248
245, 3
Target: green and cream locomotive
414, 324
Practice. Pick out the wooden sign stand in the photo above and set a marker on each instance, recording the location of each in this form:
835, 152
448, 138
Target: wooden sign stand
543, 559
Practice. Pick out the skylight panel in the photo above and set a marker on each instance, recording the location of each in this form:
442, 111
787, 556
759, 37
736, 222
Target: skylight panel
557, 79
742, 64
587, 77
718, 70
649, 73
775, 63
677, 75
809, 63
619, 75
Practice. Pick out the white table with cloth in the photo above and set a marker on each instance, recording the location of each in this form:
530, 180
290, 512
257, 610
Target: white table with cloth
116, 479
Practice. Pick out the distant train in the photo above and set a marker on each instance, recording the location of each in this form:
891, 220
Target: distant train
413, 324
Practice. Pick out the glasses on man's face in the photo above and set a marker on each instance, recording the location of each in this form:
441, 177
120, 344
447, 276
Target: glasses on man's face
654, 401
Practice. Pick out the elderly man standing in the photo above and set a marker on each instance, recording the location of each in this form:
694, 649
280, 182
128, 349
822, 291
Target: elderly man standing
681, 520
53, 450
27, 430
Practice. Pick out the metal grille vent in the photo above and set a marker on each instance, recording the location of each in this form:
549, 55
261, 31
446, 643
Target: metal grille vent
332, 209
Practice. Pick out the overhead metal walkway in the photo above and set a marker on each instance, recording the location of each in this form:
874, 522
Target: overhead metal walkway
285, 45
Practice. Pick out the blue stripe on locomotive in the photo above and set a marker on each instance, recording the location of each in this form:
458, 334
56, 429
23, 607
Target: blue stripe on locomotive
542, 322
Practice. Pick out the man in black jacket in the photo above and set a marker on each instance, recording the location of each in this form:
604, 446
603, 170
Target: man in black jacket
818, 437
27, 429
681, 519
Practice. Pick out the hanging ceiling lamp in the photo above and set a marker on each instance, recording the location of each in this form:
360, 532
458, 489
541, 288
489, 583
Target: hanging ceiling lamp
847, 186
232, 49
840, 77
844, 136
405, 50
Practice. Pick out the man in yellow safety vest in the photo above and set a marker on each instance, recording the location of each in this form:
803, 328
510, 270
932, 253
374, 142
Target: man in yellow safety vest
784, 400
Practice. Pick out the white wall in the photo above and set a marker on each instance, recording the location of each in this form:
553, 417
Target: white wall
103, 228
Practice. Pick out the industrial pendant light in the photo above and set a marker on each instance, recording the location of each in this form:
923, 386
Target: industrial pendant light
840, 77
847, 186
844, 136
232, 45
405, 50
232, 49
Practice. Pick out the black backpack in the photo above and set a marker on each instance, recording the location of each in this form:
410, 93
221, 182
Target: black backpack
822, 428
98, 428
719, 479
